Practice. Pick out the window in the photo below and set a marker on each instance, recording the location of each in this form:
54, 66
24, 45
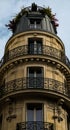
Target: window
34, 112
34, 46
34, 116
35, 23
35, 77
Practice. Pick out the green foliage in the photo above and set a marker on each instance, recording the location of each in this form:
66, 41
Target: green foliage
46, 11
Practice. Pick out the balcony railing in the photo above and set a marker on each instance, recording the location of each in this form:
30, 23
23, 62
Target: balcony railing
35, 125
34, 26
44, 50
33, 83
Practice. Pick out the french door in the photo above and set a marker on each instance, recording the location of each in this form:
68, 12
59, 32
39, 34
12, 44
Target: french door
35, 77
35, 46
34, 112
34, 116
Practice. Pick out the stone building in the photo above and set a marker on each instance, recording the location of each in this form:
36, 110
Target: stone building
34, 75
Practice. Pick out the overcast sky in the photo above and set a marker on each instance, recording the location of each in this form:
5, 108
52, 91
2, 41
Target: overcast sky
9, 9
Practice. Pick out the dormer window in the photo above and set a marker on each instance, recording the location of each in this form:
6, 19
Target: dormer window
35, 23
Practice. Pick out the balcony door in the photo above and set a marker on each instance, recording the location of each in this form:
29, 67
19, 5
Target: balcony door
34, 112
34, 46
35, 77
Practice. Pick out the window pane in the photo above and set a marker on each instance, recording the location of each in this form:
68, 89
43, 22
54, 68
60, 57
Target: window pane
31, 72
34, 112
30, 113
39, 115
35, 23
35, 46
31, 48
35, 77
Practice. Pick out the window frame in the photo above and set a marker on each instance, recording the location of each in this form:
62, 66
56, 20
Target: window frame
35, 45
38, 104
35, 23
35, 81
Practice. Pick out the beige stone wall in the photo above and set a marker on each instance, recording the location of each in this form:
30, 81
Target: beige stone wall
15, 73
20, 110
23, 40
21, 71
50, 73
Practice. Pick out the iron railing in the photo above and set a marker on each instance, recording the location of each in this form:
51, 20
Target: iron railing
35, 125
44, 50
33, 83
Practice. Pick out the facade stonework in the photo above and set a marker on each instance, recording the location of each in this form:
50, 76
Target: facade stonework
34, 78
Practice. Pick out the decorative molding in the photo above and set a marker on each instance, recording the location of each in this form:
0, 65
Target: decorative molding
33, 83
10, 117
46, 51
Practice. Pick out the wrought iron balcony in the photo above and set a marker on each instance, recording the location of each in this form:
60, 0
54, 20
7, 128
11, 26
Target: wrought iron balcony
39, 83
35, 125
44, 50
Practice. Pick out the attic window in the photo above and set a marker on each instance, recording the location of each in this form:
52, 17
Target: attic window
35, 23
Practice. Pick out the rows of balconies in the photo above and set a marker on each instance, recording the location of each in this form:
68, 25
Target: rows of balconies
35, 125
44, 50
32, 83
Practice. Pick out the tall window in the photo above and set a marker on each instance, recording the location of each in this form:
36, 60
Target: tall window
35, 23
35, 77
34, 112
34, 116
34, 46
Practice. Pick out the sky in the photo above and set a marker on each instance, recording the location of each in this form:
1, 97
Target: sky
9, 9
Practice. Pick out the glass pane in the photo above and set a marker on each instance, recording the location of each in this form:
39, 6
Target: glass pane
35, 46
39, 113
31, 48
35, 77
30, 113
39, 72
31, 72
39, 77
31, 80
39, 47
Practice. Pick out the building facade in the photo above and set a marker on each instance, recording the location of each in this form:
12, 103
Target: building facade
34, 75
